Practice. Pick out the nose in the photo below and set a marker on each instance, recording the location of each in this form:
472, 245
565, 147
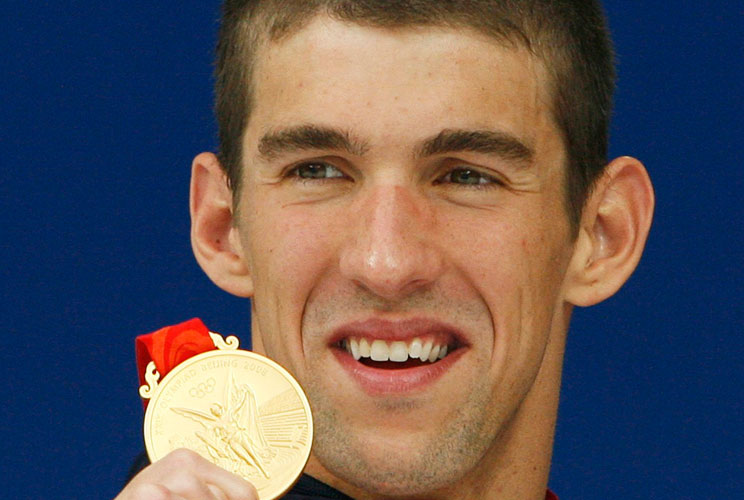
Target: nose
391, 250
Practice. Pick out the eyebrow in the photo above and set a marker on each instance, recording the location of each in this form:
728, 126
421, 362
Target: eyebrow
306, 137
309, 137
491, 142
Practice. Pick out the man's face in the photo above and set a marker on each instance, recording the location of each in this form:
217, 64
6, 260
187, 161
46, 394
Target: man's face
404, 190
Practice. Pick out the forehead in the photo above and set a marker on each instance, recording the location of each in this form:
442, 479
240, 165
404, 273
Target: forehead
446, 78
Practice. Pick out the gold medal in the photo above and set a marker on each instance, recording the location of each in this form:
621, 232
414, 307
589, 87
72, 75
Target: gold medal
239, 410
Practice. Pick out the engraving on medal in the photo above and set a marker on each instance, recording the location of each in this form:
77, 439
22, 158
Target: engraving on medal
237, 409
232, 432
203, 388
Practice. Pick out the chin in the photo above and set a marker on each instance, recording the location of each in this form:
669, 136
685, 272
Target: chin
399, 464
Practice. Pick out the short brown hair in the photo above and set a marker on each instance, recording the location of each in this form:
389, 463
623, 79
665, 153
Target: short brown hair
569, 36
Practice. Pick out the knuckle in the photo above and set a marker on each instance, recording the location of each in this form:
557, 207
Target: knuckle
251, 493
188, 484
217, 493
149, 491
183, 457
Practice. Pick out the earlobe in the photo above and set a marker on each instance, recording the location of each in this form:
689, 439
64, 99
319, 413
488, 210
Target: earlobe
214, 236
614, 228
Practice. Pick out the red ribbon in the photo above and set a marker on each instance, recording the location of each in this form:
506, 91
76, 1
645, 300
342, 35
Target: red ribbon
170, 346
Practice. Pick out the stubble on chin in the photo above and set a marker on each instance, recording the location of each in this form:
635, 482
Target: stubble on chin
443, 457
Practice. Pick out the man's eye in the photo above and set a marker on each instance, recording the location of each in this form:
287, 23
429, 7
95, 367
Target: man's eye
467, 176
316, 171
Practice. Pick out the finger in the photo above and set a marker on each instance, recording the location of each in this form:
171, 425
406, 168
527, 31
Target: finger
217, 493
232, 486
205, 473
189, 485
148, 491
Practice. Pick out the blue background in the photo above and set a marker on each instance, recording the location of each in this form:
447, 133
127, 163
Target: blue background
104, 104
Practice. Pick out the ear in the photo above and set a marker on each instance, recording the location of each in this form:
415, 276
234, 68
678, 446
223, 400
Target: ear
614, 227
214, 236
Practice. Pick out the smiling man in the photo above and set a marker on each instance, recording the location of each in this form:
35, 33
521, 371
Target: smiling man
414, 194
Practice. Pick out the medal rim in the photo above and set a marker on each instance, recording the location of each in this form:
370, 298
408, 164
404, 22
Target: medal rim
150, 411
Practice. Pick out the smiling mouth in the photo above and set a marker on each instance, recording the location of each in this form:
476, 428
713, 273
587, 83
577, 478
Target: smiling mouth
397, 354
398, 358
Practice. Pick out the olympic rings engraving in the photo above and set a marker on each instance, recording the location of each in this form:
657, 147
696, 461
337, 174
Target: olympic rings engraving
203, 388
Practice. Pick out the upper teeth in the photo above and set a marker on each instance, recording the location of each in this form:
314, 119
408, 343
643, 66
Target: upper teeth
397, 350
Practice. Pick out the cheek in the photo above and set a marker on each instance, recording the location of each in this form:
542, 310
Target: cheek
289, 251
288, 246
516, 266
496, 254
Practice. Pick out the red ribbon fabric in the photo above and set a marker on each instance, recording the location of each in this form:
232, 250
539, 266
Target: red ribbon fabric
170, 346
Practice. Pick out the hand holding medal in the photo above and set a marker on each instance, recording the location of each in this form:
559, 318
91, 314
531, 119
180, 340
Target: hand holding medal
236, 409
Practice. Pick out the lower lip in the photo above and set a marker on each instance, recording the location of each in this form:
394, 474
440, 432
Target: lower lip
380, 381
